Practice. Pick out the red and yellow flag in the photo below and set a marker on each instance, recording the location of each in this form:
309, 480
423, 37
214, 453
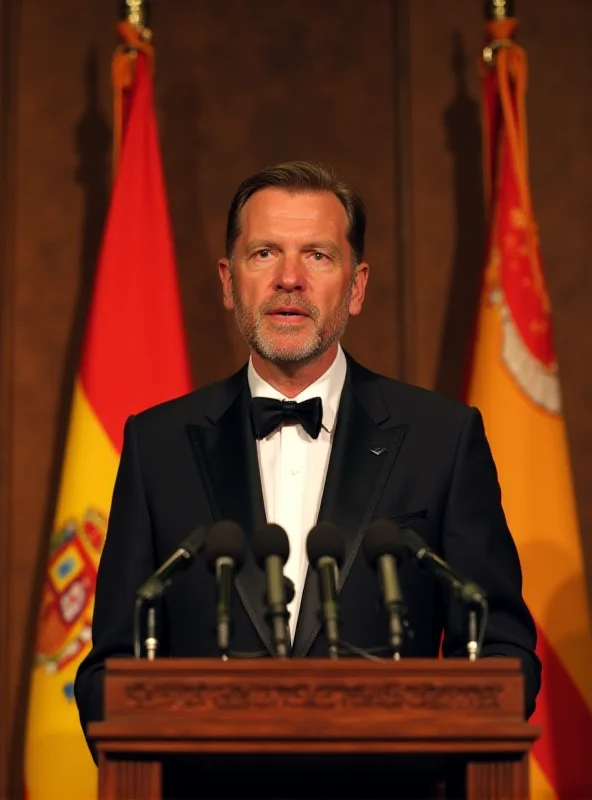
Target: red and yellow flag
134, 356
514, 382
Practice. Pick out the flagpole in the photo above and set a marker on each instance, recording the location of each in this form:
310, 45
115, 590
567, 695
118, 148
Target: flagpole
136, 35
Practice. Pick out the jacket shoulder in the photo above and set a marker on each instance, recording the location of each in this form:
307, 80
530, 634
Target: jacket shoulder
414, 401
203, 404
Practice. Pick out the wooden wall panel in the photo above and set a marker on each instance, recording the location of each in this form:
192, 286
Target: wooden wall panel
447, 189
7, 23
61, 117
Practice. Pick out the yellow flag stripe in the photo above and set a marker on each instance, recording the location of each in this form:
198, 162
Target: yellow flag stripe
538, 499
57, 761
540, 787
90, 462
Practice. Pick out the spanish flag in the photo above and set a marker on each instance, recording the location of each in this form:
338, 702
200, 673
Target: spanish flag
134, 355
514, 381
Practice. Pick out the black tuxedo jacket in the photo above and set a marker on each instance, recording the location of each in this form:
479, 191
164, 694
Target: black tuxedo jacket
399, 453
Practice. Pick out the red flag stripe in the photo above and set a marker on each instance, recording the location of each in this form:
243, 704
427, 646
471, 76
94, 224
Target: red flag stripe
136, 316
564, 752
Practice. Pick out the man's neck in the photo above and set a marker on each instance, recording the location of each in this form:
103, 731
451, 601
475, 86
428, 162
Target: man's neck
291, 379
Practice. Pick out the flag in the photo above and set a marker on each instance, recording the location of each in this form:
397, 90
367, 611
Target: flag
133, 356
513, 379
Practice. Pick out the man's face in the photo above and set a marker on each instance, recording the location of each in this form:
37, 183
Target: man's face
291, 281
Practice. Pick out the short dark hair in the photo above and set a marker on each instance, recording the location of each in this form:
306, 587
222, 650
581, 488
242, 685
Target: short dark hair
301, 176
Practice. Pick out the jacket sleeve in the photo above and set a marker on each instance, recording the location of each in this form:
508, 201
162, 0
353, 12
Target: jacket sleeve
126, 561
477, 543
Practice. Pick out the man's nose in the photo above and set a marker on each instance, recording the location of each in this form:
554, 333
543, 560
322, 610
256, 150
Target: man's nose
291, 273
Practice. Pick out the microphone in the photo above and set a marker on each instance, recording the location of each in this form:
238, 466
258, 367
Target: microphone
466, 591
325, 547
182, 558
271, 549
225, 553
382, 550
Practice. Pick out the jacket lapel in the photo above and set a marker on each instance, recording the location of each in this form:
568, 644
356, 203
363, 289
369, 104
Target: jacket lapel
365, 446
226, 455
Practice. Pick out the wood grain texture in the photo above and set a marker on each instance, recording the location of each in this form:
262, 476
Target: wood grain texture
8, 21
507, 779
61, 109
447, 190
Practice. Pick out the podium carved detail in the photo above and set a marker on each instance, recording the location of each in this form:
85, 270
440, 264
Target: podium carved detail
186, 696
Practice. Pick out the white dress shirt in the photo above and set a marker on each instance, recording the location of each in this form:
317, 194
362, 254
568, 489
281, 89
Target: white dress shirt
293, 467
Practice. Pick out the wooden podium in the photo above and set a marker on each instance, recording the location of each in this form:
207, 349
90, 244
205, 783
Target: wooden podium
270, 728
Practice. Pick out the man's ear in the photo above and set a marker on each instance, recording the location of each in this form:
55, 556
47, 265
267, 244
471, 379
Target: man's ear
359, 289
225, 272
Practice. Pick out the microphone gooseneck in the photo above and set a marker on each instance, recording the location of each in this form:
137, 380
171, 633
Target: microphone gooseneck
468, 592
182, 558
155, 586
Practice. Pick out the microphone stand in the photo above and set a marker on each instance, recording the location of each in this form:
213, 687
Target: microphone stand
151, 640
477, 632
472, 645
396, 630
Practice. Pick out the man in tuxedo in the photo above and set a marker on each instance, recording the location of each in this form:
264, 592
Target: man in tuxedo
363, 447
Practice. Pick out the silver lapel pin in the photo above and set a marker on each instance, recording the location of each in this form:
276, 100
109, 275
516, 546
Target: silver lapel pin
378, 451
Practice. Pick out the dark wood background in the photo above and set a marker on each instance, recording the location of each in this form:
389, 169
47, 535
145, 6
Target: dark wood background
386, 91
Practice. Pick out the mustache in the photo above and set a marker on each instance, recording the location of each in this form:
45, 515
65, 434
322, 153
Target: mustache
290, 301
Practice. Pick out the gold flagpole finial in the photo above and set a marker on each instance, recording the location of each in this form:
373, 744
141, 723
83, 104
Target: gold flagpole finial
500, 26
137, 13
498, 10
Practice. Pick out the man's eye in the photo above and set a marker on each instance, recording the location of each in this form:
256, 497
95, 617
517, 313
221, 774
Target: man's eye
263, 253
318, 256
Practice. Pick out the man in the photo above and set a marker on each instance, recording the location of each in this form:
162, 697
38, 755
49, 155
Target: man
294, 272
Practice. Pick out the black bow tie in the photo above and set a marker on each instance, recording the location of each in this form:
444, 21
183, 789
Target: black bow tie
268, 414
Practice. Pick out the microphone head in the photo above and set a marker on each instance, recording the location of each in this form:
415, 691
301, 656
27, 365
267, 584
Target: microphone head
225, 539
195, 541
270, 540
325, 539
383, 538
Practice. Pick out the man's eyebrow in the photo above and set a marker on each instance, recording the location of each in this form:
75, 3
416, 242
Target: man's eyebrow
329, 246
268, 244
260, 244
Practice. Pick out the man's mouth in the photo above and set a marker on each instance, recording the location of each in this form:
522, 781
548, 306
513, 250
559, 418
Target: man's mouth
287, 313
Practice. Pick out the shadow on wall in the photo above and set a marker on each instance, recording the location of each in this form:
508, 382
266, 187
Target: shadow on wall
462, 124
92, 141
206, 322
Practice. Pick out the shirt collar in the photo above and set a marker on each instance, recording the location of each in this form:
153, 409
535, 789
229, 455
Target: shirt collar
328, 387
